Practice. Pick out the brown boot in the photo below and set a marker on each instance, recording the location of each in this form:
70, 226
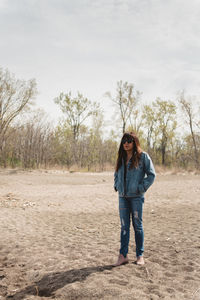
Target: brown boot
140, 260
121, 260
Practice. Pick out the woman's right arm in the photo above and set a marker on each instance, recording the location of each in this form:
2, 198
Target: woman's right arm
115, 180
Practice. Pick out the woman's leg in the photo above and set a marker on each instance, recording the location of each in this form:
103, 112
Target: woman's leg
137, 210
124, 213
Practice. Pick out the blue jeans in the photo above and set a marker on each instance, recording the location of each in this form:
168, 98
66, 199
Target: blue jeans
133, 207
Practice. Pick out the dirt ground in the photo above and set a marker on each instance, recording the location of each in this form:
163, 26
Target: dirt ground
60, 235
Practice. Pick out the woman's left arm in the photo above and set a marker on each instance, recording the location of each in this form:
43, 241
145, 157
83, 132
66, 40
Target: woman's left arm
150, 172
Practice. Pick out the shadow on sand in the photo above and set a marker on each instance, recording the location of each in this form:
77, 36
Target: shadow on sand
50, 283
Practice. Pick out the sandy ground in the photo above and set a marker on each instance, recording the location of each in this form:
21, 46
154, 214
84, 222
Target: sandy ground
60, 236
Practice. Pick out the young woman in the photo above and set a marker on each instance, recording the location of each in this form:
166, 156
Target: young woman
133, 176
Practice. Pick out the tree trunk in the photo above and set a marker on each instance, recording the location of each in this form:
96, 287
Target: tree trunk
195, 146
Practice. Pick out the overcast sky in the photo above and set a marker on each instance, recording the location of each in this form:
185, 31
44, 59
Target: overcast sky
88, 45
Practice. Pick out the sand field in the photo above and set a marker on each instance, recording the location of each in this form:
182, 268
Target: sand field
60, 236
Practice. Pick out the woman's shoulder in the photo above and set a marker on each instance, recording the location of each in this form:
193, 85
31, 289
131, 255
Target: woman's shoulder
144, 155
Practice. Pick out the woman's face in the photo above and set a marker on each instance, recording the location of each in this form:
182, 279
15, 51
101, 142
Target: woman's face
127, 142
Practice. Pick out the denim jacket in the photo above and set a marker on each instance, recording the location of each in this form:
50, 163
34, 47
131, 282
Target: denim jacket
138, 180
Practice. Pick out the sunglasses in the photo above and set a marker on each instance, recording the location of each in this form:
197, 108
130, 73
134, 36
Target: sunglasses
127, 139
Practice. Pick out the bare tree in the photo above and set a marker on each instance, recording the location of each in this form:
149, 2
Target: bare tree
33, 142
189, 111
160, 125
166, 122
125, 100
149, 122
15, 96
77, 110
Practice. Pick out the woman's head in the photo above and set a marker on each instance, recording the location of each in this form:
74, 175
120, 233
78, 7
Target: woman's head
129, 143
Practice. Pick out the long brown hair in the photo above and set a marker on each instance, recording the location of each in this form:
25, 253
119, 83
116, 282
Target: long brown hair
122, 155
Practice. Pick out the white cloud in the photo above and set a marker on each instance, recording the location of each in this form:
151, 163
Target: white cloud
88, 45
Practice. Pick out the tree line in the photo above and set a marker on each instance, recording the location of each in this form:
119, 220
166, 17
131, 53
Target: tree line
169, 130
